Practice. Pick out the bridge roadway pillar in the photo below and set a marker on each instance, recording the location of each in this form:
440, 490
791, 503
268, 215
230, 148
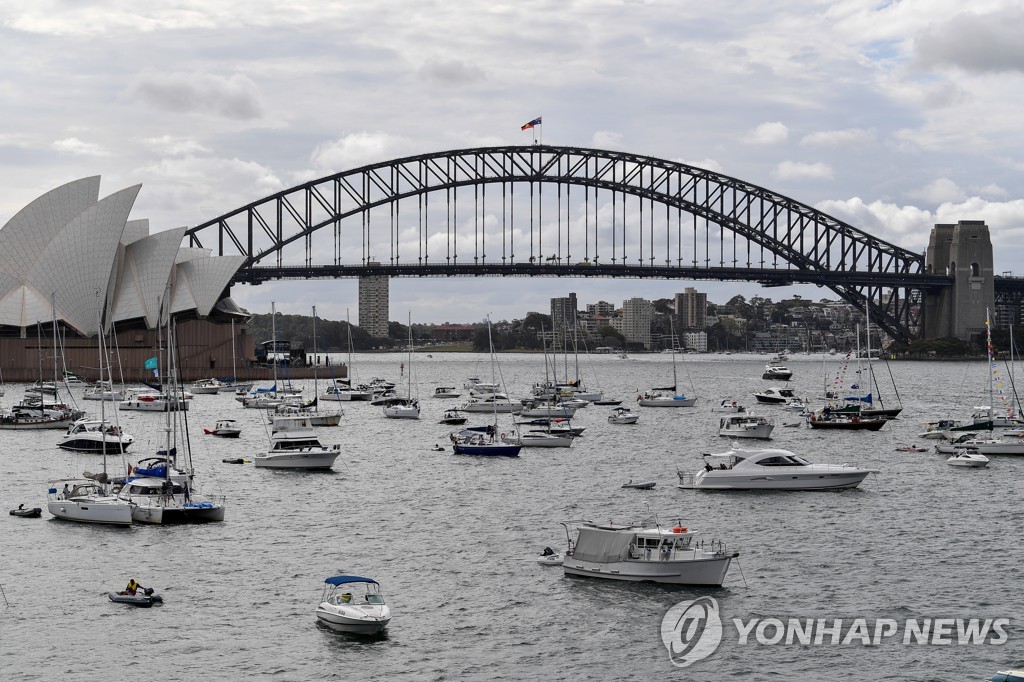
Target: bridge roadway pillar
963, 251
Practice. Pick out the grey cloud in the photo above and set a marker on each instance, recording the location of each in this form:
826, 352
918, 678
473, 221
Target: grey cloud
451, 72
235, 97
983, 43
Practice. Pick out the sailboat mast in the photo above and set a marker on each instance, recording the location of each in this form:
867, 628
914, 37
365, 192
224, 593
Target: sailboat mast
988, 348
103, 414
316, 389
273, 343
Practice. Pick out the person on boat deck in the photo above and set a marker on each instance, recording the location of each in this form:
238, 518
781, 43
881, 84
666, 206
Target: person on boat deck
67, 491
133, 587
347, 597
708, 467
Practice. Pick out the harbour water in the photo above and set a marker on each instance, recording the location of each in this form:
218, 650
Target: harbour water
453, 540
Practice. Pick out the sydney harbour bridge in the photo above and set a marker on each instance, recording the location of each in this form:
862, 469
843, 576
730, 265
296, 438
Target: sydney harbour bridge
549, 211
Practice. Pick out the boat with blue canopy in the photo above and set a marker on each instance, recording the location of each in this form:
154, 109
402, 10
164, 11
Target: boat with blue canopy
353, 604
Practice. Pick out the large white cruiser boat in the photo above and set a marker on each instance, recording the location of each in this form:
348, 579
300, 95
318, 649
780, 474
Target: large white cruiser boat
294, 445
646, 552
745, 426
770, 469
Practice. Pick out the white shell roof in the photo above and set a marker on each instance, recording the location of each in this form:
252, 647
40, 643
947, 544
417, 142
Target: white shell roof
80, 250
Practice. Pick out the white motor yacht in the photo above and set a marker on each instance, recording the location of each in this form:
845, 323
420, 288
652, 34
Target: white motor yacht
206, 387
96, 436
645, 552
446, 392
623, 415
775, 370
86, 500
494, 402
775, 395
770, 469
729, 407
745, 426
294, 445
353, 604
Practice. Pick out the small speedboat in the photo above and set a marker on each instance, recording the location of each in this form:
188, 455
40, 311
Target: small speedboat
353, 604
911, 448
607, 401
648, 485
27, 512
973, 460
452, 416
143, 599
549, 557
225, 428
623, 415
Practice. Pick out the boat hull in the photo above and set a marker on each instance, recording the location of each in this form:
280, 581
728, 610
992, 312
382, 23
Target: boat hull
178, 514
822, 477
667, 402
297, 459
91, 512
488, 450
848, 425
340, 623
762, 431
709, 571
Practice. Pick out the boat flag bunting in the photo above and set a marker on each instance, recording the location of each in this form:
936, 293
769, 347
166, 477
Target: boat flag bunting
534, 122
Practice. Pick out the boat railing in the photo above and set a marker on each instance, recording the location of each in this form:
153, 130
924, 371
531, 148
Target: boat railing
686, 478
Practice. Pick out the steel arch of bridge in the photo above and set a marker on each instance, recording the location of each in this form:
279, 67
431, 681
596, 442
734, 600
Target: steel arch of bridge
733, 228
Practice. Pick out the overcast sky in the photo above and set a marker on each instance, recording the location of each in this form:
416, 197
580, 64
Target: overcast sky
889, 115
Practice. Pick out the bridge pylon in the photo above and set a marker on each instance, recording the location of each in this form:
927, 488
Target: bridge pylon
962, 251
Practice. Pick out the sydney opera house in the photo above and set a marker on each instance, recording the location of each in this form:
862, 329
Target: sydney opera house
77, 261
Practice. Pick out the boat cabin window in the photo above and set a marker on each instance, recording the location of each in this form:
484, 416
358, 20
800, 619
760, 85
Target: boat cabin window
798, 460
683, 543
775, 462
374, 599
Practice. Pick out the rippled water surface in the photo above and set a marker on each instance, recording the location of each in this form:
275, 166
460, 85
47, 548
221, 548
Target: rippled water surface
452, 541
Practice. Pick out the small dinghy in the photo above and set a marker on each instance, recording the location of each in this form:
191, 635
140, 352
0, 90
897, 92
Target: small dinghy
607, 401
911, 448
235, 460
143, 599
27, 512
549, 557
648, 485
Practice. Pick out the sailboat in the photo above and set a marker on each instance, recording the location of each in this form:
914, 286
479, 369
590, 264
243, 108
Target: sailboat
342, 390
986, 446
859, 404
37, 410
233, 382
162, 489
486, 443
88, 499
312, 409
667, 396
406, 407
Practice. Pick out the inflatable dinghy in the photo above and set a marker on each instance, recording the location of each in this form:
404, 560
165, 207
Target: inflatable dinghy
27, 513
145, 600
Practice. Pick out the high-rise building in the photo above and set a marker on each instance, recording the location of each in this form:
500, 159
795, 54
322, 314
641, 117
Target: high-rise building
692, 308
563, 318
635, 323
373, 305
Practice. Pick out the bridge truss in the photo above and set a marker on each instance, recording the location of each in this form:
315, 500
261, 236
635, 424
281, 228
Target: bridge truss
564, 211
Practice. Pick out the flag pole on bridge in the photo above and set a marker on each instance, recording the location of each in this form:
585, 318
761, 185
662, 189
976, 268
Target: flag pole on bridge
533, 125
